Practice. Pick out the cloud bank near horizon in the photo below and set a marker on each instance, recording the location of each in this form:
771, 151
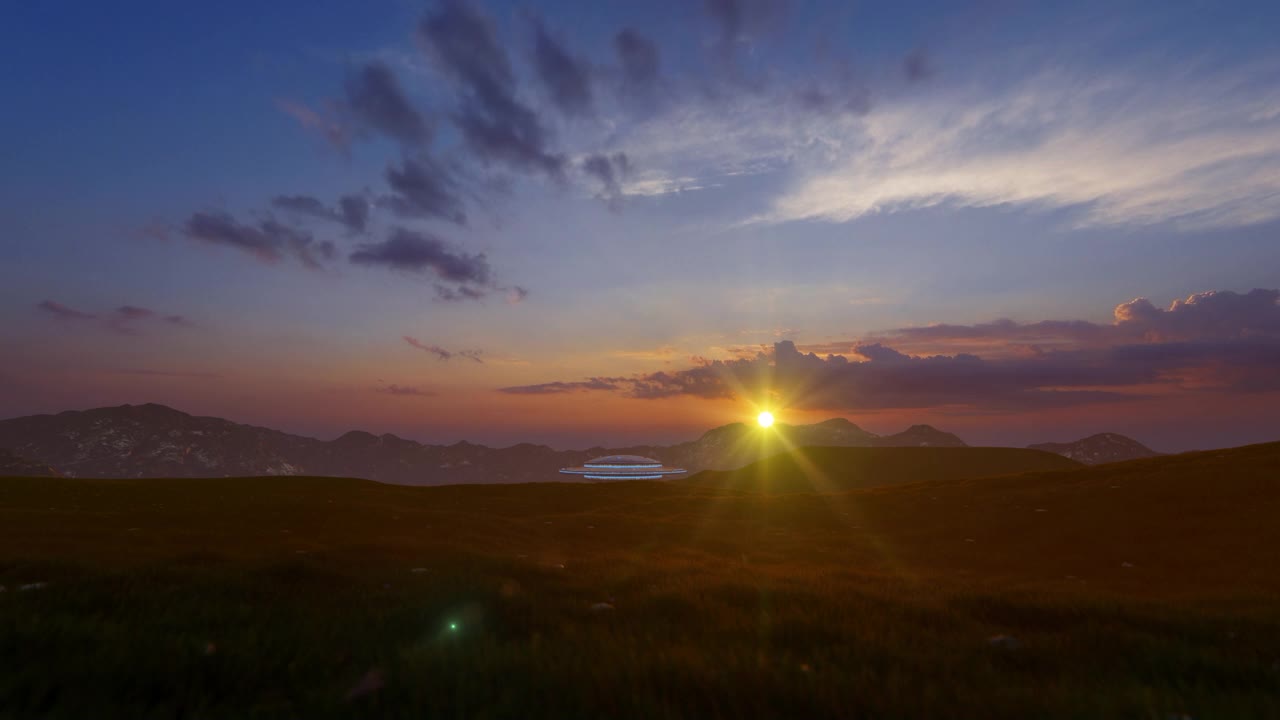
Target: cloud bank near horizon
1218, 341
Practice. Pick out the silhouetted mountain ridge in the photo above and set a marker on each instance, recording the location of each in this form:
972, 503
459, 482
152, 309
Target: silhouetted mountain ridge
153, 440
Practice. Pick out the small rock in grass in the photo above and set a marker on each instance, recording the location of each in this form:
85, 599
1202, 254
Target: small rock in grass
1004, 642
601, 607
371, 683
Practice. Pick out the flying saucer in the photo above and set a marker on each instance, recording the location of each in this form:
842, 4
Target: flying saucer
623, 467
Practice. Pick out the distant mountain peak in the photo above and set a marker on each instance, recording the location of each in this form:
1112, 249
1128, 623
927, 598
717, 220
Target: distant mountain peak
921, 436
1100, 448
354, 437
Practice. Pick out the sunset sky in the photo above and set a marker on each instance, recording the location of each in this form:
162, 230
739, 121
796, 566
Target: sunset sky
611, 223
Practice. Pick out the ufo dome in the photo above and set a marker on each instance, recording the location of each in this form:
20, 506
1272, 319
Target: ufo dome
622, 467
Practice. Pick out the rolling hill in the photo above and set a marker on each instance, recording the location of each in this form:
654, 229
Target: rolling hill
12, 465
1138, 589
835, 469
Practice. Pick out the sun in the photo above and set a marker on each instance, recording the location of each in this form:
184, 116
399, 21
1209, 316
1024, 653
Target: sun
765, 418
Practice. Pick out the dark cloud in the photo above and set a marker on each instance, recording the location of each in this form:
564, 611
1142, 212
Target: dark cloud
378, 104
132, 312
123, 319
551, 388
268, 240
639, 59
917, 65
516, 294
420, 252
1213, 315
737, 20
610, 171
493, 122
846, 93
459, 293
423, 189
63, 312
1208, 315
1220, 341
884, 379
566, 78
352, 210
405, 390
302, 204
443, 354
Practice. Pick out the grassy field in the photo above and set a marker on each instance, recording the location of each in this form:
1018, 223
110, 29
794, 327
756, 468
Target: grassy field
1148, 589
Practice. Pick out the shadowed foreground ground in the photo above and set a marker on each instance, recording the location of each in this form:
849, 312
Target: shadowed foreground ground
1142, 589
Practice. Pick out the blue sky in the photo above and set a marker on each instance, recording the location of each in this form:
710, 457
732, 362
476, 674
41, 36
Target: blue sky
808, 172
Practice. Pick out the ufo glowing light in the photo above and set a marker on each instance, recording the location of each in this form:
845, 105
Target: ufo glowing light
765, 418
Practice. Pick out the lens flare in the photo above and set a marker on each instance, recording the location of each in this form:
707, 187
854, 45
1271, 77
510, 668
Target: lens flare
765, 418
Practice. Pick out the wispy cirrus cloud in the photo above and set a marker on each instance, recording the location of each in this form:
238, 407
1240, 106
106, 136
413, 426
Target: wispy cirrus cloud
553, 388
1195, 148
62, 312
405, 390
443, 354
126, 319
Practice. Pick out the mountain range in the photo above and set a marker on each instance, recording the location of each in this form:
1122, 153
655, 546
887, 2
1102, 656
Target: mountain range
157, 441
